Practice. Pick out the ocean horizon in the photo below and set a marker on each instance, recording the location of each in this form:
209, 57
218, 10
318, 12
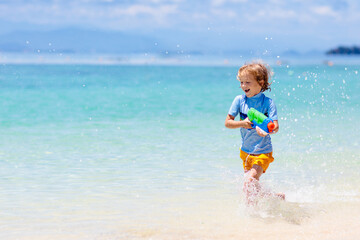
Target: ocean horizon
177, 58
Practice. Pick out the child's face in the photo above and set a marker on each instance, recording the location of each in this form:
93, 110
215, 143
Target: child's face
249, 85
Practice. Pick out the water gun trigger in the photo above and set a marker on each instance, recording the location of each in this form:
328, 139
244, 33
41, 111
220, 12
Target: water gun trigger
254, 124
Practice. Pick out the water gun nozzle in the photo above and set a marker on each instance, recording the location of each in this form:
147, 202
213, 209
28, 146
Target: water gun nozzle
271, 126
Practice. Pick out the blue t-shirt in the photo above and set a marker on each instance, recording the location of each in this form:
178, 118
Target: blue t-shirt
252, 143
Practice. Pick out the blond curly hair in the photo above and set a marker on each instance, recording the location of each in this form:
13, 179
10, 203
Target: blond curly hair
261, 72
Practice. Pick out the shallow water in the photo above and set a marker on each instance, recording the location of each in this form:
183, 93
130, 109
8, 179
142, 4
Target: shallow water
140, 152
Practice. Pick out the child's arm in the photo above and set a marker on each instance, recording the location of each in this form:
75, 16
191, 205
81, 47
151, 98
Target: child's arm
231, 123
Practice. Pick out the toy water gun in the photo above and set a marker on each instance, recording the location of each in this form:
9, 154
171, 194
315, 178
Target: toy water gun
260, 120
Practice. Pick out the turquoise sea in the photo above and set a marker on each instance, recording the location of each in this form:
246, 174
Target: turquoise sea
141, 152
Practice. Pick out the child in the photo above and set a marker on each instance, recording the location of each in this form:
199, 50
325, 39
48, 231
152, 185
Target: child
256, 149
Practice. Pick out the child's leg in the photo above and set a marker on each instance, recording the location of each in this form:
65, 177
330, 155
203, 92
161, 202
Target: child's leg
252, 187
255, 172
251, 184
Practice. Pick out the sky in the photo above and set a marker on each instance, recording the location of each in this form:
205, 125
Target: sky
214, 25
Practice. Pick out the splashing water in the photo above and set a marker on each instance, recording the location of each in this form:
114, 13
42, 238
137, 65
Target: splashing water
139, 152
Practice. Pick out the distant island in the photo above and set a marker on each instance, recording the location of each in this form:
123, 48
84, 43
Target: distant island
344, 51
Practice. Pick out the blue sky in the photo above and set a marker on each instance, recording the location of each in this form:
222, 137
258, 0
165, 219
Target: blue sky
281, 25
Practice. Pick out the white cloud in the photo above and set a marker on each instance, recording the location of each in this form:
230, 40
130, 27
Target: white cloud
324, 11
79, 13
264, 15
224, 13
282, 14
218, 3
134, 10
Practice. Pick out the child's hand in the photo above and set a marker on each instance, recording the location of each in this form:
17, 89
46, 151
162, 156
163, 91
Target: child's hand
246, 123
261, 132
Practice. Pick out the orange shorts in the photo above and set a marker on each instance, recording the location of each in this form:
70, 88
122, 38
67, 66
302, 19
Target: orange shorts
263, 160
